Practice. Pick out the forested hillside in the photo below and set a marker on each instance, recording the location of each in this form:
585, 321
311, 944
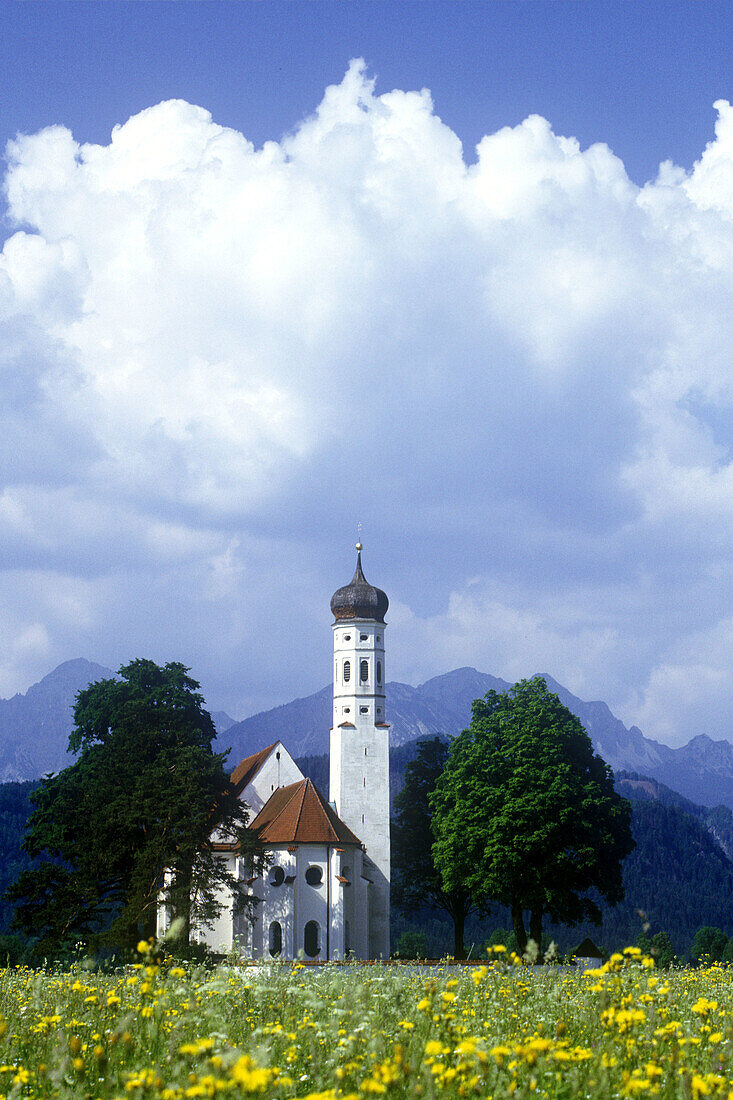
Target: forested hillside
678, 875
15, 807
718, 820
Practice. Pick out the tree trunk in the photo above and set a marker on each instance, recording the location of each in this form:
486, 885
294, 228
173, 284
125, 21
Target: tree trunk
535, 929
518, 922
459, 921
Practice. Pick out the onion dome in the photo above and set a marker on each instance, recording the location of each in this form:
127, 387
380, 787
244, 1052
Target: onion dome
359, 599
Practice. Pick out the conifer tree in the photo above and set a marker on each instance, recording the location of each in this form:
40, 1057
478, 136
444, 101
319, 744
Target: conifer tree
141, 799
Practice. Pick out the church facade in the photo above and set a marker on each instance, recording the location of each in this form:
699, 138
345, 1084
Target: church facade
326, 890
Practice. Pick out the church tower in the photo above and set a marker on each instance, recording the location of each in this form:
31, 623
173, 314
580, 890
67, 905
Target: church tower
359, 761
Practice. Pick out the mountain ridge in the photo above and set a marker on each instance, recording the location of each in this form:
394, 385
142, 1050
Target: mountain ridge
701, 770
45, 708
35, 724
34, 728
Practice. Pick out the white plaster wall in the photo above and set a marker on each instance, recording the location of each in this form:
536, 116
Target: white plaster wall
311, 902
278, 901
356, 906
338, 860
242, 932
274, 773
355, 641
220, 937
359, 765
163, 914
330, 903
294, 904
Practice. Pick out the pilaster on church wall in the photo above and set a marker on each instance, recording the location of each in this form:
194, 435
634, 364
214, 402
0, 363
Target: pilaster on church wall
220, 936
357, 914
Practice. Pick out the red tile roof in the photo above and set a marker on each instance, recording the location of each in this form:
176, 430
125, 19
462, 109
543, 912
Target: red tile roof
300, 814
247, 769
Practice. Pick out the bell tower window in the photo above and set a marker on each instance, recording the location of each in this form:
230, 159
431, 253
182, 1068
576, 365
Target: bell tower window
379, 672
364, 671
347, 671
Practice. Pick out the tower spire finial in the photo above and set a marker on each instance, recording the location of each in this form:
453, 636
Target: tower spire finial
359, 547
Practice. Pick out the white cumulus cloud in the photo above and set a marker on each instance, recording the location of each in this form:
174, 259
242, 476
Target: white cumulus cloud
215, 358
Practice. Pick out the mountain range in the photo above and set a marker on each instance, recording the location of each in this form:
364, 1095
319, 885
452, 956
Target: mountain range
34, 729
701, 770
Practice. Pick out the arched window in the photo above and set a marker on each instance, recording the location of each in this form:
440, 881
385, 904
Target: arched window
347, 671
276, 938
364, 671
311, 945
314, 876
277, 876
379, 672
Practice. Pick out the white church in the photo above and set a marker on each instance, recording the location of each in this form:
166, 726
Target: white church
326, 890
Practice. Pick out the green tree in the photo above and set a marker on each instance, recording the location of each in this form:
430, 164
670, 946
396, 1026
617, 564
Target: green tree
659, 946
412, 945
662, 950
502, 936
415, 881
526, 814
710, 943
141, 799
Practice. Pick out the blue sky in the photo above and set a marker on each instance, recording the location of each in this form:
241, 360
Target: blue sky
639, 76
290, 294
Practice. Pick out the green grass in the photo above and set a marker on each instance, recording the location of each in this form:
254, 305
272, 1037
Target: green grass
281, 1030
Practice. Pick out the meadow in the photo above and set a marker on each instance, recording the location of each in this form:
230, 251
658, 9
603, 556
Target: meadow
158, 1028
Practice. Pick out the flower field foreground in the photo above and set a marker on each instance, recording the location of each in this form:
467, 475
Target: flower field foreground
162, 1030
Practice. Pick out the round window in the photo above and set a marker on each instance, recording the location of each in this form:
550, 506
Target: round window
277, 876
314, 876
